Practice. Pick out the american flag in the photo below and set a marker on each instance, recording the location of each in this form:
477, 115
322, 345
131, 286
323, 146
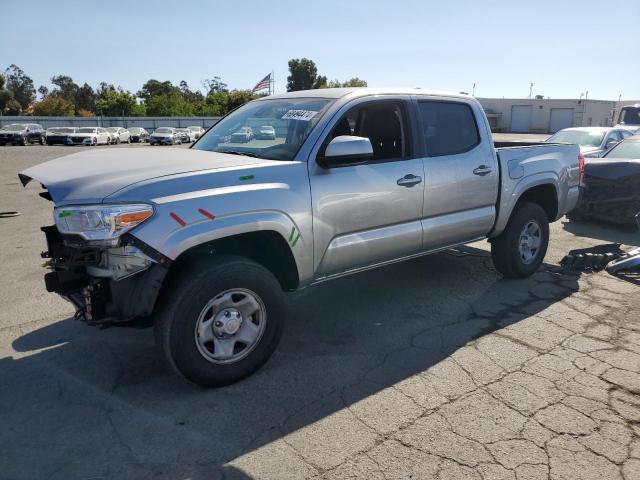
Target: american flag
262, 84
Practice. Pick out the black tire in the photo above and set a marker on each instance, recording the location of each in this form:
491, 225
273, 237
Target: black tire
176, 318
505, 251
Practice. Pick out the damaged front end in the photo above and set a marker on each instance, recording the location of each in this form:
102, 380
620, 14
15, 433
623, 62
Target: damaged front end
611, 192
107, 285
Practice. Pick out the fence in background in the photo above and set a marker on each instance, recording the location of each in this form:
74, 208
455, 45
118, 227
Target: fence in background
150, 123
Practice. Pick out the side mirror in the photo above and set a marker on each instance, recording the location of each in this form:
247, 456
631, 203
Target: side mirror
610, 144
346, 150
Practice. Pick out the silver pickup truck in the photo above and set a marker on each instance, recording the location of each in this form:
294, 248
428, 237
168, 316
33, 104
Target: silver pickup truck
205, 241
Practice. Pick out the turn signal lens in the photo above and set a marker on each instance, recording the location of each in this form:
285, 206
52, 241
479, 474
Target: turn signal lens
130, 219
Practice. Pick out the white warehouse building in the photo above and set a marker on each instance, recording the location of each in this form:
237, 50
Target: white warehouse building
544, 115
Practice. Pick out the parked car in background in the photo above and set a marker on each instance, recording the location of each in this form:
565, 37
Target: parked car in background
186, 135
612, 185
90, 136
22, 134
138, 135
165, 136
197, 131
629, 118
593, 141
266, 132
58, 135
119, 135
362, 178
242, 135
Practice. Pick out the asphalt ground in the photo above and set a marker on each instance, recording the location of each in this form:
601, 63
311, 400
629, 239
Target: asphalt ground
433, 368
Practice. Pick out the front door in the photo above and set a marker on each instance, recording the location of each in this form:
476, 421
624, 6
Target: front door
370, 213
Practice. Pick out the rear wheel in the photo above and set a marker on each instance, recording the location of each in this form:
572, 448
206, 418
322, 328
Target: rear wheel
220, 322
519, 251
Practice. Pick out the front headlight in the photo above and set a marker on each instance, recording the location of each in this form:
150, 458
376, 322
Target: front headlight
100, 222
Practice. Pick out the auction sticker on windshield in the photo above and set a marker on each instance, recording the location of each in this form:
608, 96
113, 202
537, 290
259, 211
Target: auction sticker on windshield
304, 115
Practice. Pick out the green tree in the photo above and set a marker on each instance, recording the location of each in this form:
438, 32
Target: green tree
303, 75
168, 105
86, 98
65, 87
5, 96
214, 85
20, 85
13, 107
117, 102
237, 98
191, 96
355, 82
154, 88
54, 106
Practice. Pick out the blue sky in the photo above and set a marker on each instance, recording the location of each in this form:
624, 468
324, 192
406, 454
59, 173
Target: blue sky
563, 47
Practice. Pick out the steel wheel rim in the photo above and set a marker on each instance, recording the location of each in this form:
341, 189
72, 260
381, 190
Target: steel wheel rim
230, 326
529, 242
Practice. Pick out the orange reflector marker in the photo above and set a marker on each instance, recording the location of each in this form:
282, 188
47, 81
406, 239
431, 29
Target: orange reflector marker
177, 219
132, 218
209, 215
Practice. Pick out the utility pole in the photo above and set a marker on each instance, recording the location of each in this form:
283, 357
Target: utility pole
530, 89
473, 90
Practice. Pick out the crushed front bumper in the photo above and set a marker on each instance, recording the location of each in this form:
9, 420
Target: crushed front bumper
115, 284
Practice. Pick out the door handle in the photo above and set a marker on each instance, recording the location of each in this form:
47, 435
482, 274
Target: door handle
482, 170
409, 180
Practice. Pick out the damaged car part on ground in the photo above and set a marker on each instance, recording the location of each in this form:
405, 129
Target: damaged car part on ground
207, 240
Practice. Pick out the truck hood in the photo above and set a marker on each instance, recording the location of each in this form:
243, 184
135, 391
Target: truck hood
90, 176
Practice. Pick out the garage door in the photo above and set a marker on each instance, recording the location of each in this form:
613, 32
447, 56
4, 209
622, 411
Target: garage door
560, 118
521, 118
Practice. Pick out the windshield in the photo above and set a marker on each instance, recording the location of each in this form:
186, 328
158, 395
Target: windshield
15, 127
86, 130
625, 150
113, 129
630, 116
135, 130
61, 130
582, 138
163, 130
292, 118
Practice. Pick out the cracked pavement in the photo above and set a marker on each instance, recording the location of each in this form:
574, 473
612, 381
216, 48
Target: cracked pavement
430, 369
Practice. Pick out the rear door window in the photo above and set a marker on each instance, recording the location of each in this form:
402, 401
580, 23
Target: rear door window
449, 128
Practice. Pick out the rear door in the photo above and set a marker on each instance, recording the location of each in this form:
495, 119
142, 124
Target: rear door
461, 172
369, 213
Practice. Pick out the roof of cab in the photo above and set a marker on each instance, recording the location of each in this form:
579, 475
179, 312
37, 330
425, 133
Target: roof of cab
361, 92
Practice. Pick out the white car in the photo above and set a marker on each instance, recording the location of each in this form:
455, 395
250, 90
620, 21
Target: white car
593, 141
266, 132
119, 135
89, 136
197, 132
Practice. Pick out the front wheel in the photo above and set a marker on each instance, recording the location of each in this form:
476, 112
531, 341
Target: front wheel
220, 322
519, 251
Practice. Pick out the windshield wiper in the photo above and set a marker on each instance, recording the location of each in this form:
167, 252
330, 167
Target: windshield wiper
236, 152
